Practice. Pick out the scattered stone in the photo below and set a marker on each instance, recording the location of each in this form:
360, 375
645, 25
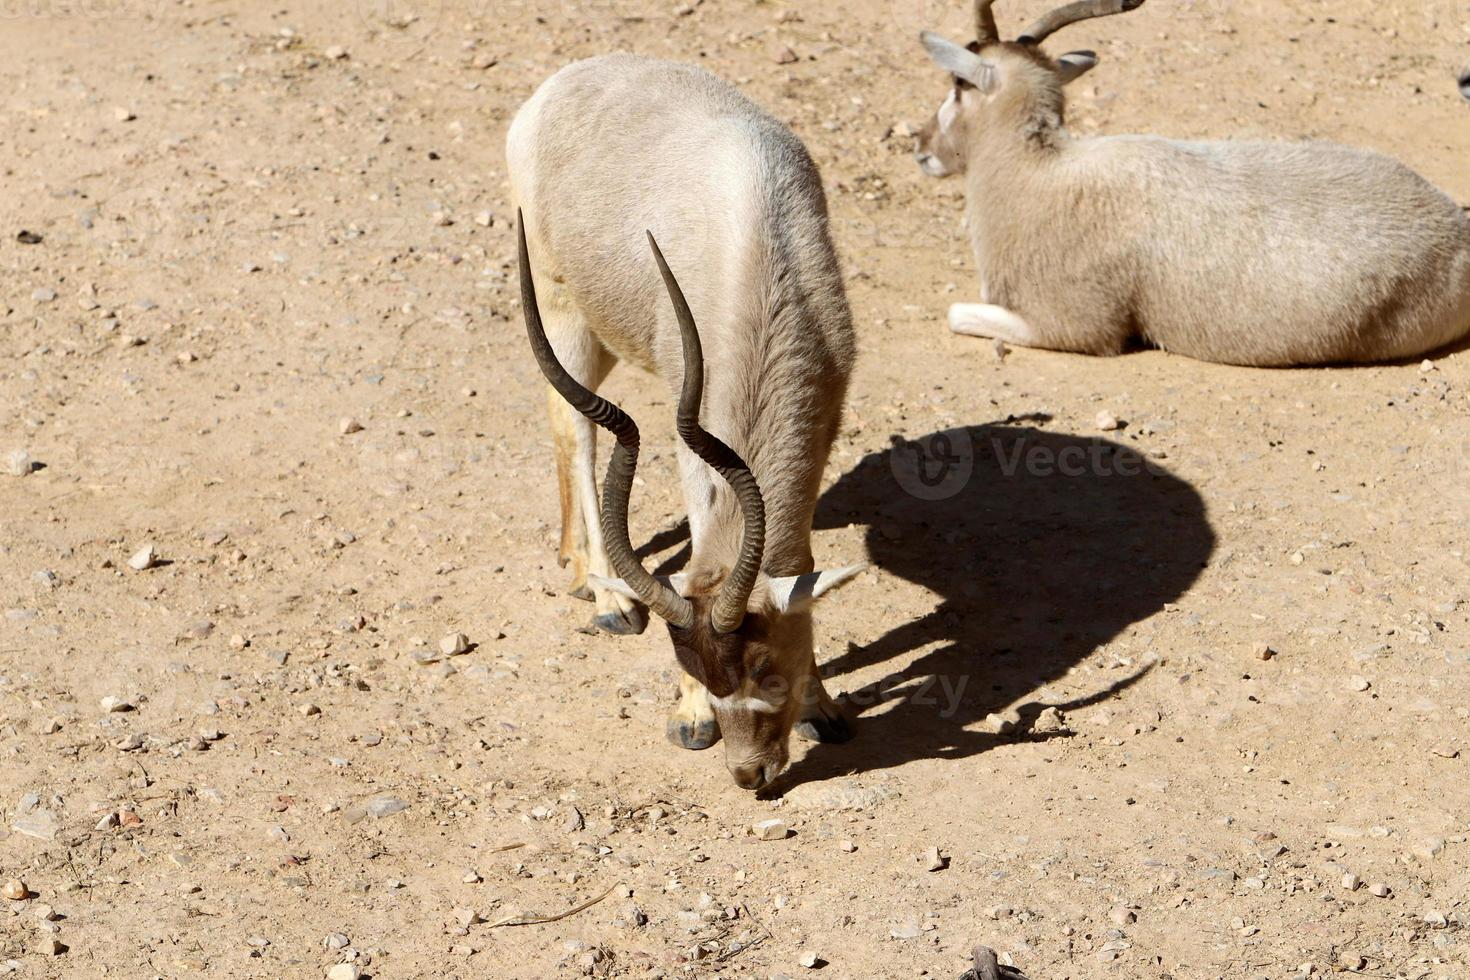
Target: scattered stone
454, 645
484, 219
1379, 890
934, 861
50, 946
378, 808
44, 295
40, 824
108, 822
129, 743
1263, 651
1359, 683
847, 847
1429, 849
44, 912
309, 710
19, 463
336, 940
46, 578
467, 917
344, 971
773, 829
123, 114
1122, 915
144, 558
574, 821
348, 426
832, 796
783, 55
1446, 751
908, 930
810, 961
14, 890
116, 705
337, 53
1107, 422
1050, 720
28, 237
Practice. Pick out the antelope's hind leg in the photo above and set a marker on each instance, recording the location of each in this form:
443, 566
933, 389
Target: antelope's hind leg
575, 442
693, 724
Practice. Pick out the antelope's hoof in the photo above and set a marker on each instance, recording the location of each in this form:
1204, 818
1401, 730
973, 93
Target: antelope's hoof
695, 735
821, 728
622, 622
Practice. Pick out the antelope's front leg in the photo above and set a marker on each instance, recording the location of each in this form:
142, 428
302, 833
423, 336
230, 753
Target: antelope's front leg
693, 724
995, 322
821, 719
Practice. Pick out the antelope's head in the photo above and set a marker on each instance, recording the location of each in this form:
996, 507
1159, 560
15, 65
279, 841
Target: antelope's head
995, 80
744, 635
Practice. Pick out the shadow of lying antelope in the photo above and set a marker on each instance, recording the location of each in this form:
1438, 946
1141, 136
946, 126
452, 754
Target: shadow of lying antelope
1043, 546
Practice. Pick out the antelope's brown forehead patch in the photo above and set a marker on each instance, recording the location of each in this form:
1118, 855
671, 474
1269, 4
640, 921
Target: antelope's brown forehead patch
716, 660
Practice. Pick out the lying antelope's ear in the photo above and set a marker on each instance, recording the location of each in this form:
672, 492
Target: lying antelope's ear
677, 582
1074, 64
960, 62
797, 592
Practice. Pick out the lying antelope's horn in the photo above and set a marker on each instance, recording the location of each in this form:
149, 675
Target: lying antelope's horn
1073, 13
729, 607
618, 486
985, 29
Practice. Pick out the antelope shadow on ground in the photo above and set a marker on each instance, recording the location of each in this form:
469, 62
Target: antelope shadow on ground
1042, 547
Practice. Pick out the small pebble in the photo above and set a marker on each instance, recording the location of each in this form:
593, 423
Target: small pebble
1379, 890
773, 829
1263, 651
454, 644
115, 705
1351, 882
1107, 422
810, 961
934, 861
337, 53
344, 971
143, 559
14, 890
348, 426
19, 463
1359, 683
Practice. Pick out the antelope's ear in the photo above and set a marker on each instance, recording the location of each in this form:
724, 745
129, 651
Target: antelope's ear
1074, 64
960, 62
677, 582
797, 592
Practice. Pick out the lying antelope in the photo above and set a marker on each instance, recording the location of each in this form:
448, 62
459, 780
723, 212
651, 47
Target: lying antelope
604, 149
1269, 254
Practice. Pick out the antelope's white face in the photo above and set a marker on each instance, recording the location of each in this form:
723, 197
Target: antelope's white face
758, 678
983, 75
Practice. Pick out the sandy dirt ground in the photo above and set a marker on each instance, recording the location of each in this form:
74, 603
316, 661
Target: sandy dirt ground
258, 221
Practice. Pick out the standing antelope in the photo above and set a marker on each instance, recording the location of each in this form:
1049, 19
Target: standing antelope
1268, 254
605, 149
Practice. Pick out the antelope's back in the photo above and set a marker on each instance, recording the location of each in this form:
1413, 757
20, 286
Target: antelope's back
614, 146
